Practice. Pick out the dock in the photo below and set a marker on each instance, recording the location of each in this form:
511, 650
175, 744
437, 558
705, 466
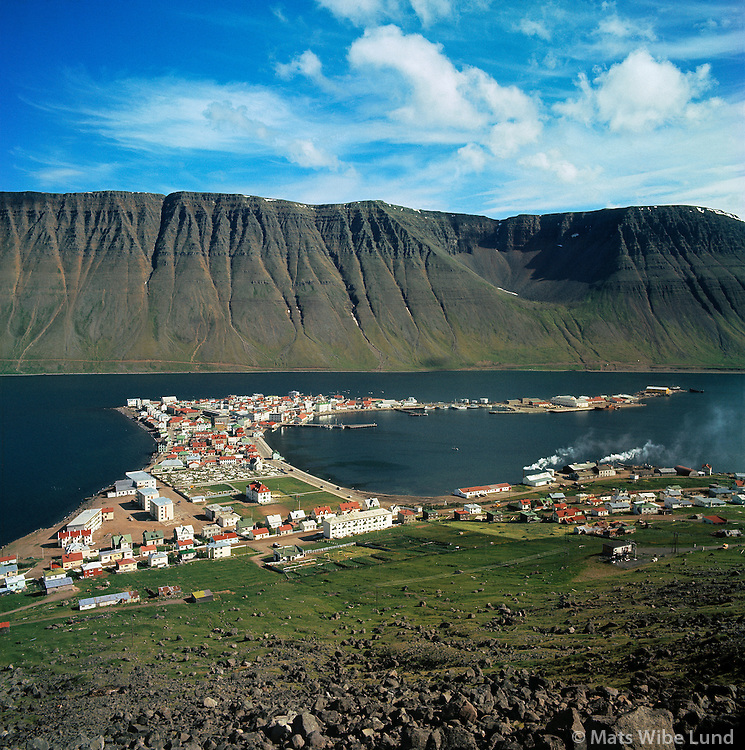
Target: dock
334, 426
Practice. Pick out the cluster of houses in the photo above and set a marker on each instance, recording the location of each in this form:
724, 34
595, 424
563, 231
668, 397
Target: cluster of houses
589, 512
10, 579
216, 540
83, 558
351, 517
220, 432
588, 471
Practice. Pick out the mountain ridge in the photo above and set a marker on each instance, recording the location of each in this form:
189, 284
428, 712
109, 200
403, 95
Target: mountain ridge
118, 281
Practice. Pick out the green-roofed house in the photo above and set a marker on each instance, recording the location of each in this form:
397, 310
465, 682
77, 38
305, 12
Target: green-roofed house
529, 516
152, 537
118, 541
286, 554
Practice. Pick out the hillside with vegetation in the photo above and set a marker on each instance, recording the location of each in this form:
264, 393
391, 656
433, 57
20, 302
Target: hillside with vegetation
113, 281
448, 635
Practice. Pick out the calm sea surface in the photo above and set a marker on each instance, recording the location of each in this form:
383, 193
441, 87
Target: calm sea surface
61, 440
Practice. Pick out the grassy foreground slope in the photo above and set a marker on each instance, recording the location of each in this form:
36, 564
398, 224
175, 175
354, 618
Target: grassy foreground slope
437, 597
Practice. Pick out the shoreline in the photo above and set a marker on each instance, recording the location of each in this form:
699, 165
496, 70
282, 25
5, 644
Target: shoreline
44, 534
621, 370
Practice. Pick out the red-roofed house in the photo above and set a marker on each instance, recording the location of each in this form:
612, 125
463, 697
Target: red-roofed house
285, 528
321, 511
482, 490
72, 561
228, 536
258, 492
567, 515
405, 515
349, 507
259, 533
84, 536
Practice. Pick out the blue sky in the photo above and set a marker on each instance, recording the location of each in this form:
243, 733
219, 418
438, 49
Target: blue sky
483, 107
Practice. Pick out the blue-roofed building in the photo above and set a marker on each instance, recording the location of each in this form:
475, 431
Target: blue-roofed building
8, 570
58, 584
108, 600
708, 502
13, 583
618, 507
219, 549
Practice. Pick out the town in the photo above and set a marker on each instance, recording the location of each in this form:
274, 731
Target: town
215, 488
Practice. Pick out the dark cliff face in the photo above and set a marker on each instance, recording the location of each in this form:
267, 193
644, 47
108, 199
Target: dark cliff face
136, 281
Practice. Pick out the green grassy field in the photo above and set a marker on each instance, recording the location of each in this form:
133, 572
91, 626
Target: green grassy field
429, 592
290, 492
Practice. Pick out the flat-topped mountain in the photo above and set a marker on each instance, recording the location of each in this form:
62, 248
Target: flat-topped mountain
116, 281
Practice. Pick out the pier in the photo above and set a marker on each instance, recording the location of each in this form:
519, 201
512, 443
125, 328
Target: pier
333, 426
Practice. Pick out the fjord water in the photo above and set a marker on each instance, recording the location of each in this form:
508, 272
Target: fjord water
61, 440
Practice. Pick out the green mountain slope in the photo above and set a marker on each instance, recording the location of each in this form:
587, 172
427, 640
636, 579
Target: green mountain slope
134, 282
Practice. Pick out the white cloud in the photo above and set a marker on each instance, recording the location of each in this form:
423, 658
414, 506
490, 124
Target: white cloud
564, 170
436, 86
639, 94
531, 27
166, 115
472, 158
365, 12
625, 28
305, 153
438, 97
431, 10
226, 116
308, 64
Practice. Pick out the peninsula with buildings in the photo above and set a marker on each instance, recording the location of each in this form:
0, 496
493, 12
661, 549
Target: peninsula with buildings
215, 488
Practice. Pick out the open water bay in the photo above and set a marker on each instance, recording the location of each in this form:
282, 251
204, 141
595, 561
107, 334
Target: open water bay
61, 440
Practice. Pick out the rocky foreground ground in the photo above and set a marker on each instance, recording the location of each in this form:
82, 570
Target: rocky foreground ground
311, 695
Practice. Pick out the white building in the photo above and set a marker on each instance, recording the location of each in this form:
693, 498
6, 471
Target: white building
274, 521
573, 402
88, 520
161, 509
145, 495
482, 490
228, 520
158, 560
258, 492
217, 550
122, 488
359, 522
539, 479
182, 533
677, 502
213, 510
141, 479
